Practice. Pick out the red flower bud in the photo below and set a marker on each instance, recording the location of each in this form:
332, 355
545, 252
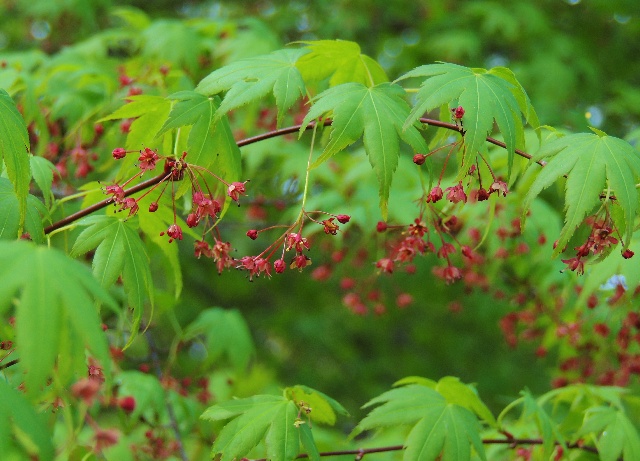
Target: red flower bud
153, 207
626, 254
252, 234
343, 218
192, 220
419, 159
381, 226
279, 265
119, 153
128, 404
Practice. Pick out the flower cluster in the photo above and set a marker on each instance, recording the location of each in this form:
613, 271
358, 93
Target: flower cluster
205, 207
601, 239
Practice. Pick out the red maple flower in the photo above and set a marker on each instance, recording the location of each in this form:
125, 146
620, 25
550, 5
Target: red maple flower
235, 190
456, 193
435, 195
147, 159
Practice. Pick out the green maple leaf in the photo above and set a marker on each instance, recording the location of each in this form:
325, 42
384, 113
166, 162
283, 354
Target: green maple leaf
341, 61
269, 418
439, 428
10, 214
43, 170
593, 163
210, 142
150, 113
20, 417
447, 431
323, 407
153, 224
225, 332
253, 78
119, 252
548, 428
272, 419
616, 434
56, 298
485, 96
404, 405
14, 148
456, 392
376, 114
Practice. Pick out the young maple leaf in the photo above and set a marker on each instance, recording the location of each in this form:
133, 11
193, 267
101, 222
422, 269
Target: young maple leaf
592, 163
250, 79
341, 61
484, 95
377, 114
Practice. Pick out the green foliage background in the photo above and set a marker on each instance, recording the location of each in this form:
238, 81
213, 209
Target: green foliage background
578, 62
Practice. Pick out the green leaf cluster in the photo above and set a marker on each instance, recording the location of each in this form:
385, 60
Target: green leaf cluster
596, 166
58, 308
281, 422
485, 96
119, 252
442, 416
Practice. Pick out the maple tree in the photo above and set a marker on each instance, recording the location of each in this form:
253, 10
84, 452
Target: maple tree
122, 168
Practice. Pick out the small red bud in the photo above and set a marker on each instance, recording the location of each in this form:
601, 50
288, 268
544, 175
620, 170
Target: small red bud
626, 254
128, 404
153, 207
252, 234
119, 153
381, 226
458, 112
192, 220
419, 159
343, 218
279, 265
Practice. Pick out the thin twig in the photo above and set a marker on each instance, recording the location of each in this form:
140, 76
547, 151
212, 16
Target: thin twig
360, 452
104, 203
245, 142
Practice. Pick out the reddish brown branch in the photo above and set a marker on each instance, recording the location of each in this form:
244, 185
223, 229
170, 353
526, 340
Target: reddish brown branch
106, 202
245, 142
513, 442
280, 132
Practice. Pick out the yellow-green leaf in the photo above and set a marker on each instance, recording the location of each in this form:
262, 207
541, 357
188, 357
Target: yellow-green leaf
341, 61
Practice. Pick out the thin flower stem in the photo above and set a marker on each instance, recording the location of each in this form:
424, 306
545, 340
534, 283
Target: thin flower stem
306, 178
